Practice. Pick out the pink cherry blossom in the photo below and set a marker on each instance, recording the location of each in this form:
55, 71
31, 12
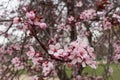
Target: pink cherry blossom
54, 48
31, 15
63, 27
36, 60
77, 52
106, 24
31, 53
57, 51
48, 68
88, 14
80, 54
16, 20
70, 19
17, 63
34, 56
43, 25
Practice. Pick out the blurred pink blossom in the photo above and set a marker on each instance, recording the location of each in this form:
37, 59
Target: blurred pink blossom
48, 68
31, 15
43, 25
17, 63
87, 15
106, 24
16, 20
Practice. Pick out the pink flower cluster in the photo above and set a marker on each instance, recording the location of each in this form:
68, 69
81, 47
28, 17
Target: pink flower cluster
17, 63
31, 15
106, 24
70, 19
48, 68
31, 19
35, 57
80, 52
87, 15
57, 51
77, 52
64, 27
16, 20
